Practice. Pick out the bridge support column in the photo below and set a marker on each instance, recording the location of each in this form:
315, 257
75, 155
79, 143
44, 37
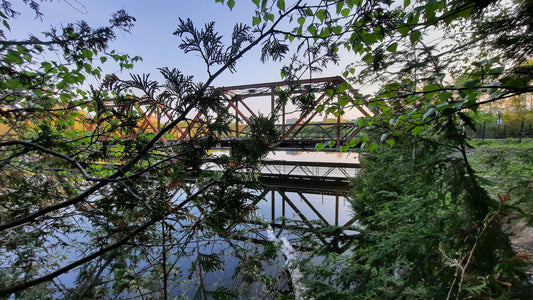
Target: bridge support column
338, 131
273, 198
272, 102
336, 209
237, 119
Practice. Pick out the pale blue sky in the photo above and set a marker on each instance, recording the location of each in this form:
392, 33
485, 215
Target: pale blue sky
152, 38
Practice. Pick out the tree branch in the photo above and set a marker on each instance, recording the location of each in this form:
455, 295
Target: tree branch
5, 292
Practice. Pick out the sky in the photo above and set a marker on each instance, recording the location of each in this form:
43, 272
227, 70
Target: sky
152, 37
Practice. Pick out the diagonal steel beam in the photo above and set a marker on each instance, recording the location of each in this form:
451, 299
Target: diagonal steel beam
313, 208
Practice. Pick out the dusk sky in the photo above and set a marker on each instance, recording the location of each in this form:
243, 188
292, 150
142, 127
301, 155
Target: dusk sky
152, 37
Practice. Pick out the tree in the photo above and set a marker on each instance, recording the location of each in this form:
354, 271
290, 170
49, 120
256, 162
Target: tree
418, 213
53, 175
86, 193
412, 53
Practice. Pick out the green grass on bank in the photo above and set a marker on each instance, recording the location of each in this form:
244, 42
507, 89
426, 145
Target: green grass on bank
507, 168
510, 159
510, 143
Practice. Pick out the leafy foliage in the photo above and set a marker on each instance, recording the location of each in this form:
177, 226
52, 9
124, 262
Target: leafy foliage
89, 191
428, 229
86, 190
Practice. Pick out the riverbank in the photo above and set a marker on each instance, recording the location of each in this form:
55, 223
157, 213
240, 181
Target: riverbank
507, 167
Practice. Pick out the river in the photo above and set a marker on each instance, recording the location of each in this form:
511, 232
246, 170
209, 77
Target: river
287, 206
288, 217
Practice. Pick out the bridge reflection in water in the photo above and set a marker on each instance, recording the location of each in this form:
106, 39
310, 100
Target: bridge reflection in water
305, 195
314, 194
300, 199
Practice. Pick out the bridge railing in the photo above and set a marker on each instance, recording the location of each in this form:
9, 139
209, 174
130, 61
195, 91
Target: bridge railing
309, 168
308, 134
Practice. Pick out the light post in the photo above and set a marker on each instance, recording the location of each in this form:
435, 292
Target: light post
498, 122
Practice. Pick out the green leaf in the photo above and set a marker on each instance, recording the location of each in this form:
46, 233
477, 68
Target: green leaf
337, 29
309, 12
465, 12
392, 48
301, 20
368, 58
256, 20
343, 100
321, 14
415, 36
496, 71
360, 122
64, 97
444, 96
281, 4
430, 12
231, 4
391, 142
513, 83
416, 130
369, 38
430, 90
431, 87
103, 59
311, 29
256, 2
471, 83
404, 30
325, 33
340, 5
6, 25
12, 83
319, 146
46, 66
406, 3
345, 12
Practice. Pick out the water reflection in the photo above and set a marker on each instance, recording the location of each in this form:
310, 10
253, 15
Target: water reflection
293, 155
331, 209
291, 211
347, 157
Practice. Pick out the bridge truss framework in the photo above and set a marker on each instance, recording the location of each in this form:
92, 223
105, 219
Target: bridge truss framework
304, 133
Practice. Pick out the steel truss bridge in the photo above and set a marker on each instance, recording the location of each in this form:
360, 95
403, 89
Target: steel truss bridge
299, 128
316, 177
308, 191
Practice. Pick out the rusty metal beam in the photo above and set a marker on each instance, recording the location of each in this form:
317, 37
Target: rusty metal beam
235, 95
303, 117
313, 208
333, 79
